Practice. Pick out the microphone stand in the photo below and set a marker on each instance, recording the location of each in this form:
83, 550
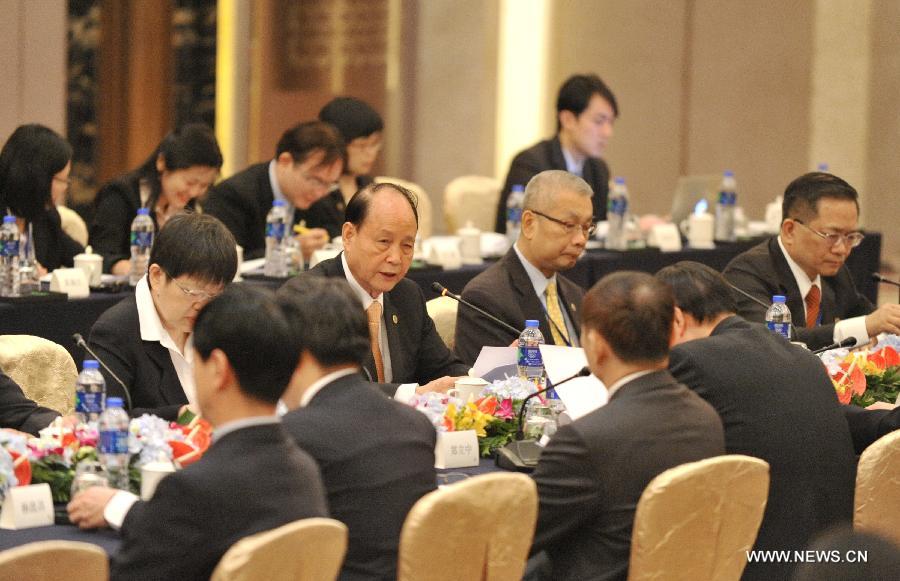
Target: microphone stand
878, 278
441, 290
762, 304
79, 341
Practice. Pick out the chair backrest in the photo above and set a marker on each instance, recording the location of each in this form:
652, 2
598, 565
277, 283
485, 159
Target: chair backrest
44, 370
716, 504
311, 549
442, 311
876, 508
471, 198
73, 225
52, 560
477, 529
423, 207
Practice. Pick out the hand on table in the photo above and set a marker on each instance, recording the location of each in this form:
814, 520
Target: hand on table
86, 509
886, 319
312, 240
440, 385
881, 405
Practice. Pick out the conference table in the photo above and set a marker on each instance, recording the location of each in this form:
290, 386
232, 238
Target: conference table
57, 321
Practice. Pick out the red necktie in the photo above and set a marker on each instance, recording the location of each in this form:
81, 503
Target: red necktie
813, 298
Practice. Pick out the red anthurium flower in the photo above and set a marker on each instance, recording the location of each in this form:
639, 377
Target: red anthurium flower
877, 359
487, 405
891, 357
22, 468
858, 381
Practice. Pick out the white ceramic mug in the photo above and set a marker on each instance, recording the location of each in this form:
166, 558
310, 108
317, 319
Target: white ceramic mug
92, 265
468, 388
151, 474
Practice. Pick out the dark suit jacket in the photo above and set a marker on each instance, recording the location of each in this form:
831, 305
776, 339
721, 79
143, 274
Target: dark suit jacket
328, 213
242, 202
505, 291
53, 248
594, 470
418, 354
144, 366
20, 413
251, 480
777, 403
548, 155
373, 473
764, 272
866, 426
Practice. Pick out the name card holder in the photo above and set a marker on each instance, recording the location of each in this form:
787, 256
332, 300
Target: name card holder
27, 507
665, 237
456, 449
71, 281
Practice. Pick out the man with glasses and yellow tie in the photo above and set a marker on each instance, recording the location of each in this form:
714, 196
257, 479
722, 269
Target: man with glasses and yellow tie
805, 263
556, 223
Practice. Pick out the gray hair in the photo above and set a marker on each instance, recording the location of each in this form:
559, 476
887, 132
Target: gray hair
545, 185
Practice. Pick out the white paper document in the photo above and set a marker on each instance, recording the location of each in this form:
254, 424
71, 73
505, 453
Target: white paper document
581, 395
491, 358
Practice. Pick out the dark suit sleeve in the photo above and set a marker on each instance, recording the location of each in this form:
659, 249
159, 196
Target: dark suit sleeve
227, 204
111, 227
474, 331
20, 413
866, 426
523, 168
569, 493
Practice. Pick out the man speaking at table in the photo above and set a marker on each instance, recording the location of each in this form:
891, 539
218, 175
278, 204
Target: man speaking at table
594, 470
805, 263
525, 284
379, 236
253, 478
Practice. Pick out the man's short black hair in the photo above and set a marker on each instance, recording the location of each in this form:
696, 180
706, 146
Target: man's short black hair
801, 197
196, 245
247, 324
633, 312
358, 206
327, 319
305, 139
700, 291
575, 95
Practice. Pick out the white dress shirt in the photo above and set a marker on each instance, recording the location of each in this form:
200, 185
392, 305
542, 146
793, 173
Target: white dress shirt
572, 166
279, 195
622, 381
540, 283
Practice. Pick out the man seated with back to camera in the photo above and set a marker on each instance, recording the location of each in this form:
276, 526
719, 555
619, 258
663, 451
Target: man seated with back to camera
805, 263
18, 412
526, 283
593, 471
376, 455
379, 236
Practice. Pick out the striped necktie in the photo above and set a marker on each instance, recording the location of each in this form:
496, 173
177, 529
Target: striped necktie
557, 322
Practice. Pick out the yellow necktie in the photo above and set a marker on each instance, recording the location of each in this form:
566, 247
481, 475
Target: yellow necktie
373, 313
557, 322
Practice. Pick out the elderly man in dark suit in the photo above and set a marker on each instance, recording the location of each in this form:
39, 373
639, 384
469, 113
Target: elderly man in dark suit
585, 112
379, 236
253, 478
776, 402
376, 471
805, 263
308, 161
525, 284
17, 412
594, 470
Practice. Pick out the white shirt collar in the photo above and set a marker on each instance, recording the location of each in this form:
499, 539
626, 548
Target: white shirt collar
572, 166
242, 423
365, 297
630, 377
152, 328
803, 281
277, 194
323, 382
538, 280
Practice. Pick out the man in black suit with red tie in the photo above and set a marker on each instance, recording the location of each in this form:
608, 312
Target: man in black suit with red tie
376, 454
594, 470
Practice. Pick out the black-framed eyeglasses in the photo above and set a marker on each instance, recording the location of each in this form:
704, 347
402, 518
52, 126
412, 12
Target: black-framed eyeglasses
586, 229
193, 294
852, 240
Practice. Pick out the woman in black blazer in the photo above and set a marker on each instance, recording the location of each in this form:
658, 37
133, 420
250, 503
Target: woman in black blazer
181, 169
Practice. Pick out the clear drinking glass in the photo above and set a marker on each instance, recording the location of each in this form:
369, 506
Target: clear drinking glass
89, 473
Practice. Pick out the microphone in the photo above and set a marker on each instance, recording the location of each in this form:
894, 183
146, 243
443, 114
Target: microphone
878, 278
441, 290
761, 303
79, 341
848, 342
522, 455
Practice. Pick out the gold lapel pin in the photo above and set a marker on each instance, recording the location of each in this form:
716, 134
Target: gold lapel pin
394, 318
573, 307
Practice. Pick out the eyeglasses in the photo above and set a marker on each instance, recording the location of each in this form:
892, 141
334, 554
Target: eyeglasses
569, 227
319, 182
852, 240
193, 294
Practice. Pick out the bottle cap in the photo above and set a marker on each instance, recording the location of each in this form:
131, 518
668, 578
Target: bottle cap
9, 219
620, 181
532, 323
518, 188
778, 299
114, 402
143, 211
728, 173
278, 203
91, 364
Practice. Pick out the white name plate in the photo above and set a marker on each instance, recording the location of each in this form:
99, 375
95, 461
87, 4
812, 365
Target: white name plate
26, 507
665, 237
71, 281
456, 449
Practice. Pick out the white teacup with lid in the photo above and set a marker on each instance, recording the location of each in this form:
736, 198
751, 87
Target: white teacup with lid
91, 264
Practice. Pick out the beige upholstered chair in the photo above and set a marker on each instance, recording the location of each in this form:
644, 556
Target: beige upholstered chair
73, 225
714, 506
44, 370
876, 508
310, 549
479, 529
53, 560
424, 205
442, 311
471, 198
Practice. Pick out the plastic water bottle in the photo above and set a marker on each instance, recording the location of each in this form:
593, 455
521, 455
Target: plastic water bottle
778, 317
90, 392
141, 241
9, 257
514, 205
530, 363
113, 450
725, 208
616, 215
276, 226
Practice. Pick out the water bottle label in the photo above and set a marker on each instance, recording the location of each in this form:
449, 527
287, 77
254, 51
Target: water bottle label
530, 357
10, 248
783, 329
114, 442
514, 215
88, 402
275, 230
551, 394
617, 206
142, 239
